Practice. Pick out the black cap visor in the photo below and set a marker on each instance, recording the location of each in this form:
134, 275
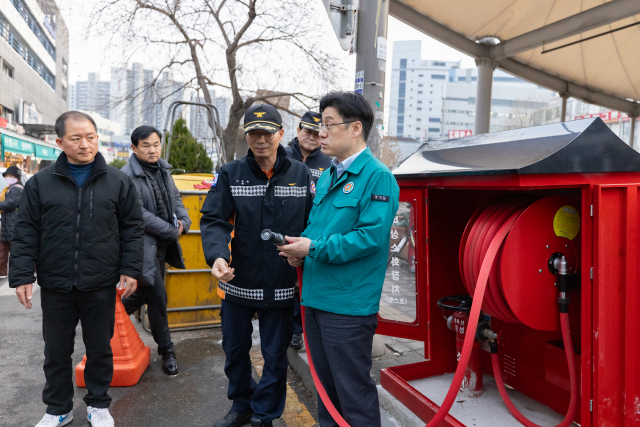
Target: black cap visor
268, 126
310, 126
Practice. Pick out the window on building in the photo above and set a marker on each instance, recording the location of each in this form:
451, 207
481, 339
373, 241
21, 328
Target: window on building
419, 102
419, 92
403, 75
473, 79
419, 109
401, 90
439, 64
434, 120
403, 63
418, 128
399, 130
434, 130
65, 68
400, 120
401, 106
462, 79
7, 69
418, 120
420, 85
438, 77
421, 75
508, 79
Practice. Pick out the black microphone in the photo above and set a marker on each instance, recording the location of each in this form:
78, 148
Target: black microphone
275, 238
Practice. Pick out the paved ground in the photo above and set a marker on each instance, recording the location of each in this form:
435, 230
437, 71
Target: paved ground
196, 397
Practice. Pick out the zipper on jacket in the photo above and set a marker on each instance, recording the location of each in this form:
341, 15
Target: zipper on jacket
91, 206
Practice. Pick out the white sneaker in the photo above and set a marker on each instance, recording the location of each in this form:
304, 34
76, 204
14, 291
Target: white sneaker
55, 420
99, 417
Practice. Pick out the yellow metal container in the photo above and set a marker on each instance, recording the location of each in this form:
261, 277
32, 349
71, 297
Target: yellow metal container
192, 299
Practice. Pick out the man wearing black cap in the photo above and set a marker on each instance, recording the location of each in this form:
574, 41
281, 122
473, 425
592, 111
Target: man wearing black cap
306, 148
9, 201
264, 190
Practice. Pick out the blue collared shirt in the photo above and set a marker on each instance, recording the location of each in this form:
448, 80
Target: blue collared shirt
344, 165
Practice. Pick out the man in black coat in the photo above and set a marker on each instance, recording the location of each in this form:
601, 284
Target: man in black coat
263, 190
306, 148
165, 220
9, 209
80, 226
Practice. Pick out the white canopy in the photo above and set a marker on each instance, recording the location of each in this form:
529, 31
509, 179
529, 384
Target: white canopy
604, 70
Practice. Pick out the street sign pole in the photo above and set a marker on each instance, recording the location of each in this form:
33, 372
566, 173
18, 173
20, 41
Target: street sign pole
371, 60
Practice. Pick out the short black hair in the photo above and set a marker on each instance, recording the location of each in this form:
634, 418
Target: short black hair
143, 132
350, 106
61, 128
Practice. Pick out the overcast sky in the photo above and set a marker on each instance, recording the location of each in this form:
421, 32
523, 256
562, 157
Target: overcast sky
89, 54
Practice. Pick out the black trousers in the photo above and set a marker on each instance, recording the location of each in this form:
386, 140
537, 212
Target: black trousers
61, 312
340, 347
156, 299
267, 398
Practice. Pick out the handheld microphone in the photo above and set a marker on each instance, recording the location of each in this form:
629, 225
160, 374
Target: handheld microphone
275, 238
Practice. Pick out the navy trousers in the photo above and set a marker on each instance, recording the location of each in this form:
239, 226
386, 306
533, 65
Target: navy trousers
266, 398
340, 346
297, 318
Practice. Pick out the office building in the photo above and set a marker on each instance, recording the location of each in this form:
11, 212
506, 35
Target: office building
433, 99
34, 57
111, 143
91, 95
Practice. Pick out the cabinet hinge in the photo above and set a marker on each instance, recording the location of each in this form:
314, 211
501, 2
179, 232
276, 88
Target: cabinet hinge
591, 405
591, 210
427, 239
425, 200
591, 273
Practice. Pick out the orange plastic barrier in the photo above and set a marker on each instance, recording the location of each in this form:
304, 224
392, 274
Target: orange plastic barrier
130, 356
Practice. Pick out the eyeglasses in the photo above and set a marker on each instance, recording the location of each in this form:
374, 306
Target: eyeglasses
327, 126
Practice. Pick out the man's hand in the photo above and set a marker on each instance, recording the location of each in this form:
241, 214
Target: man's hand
295, 261
129, 284
297, 247
222, 271
25, 293
180, 228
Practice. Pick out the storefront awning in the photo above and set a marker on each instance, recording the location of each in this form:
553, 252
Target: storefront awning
14, 145
46, 153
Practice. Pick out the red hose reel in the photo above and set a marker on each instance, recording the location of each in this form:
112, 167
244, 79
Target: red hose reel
522, 287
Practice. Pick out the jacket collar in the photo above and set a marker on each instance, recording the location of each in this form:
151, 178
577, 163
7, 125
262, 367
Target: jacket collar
137, 168
281, 161
295, 146
61, 166
356, 166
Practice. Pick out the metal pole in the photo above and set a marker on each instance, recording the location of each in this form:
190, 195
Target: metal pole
372, 25
483, 95
563, 114
632, 133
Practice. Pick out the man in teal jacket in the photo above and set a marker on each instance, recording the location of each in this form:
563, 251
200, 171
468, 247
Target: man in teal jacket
344, 250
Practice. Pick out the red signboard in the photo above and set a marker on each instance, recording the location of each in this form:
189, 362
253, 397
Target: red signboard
607, 116
460, 133
3, 122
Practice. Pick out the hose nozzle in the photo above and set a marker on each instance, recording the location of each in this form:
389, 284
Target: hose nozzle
275, 238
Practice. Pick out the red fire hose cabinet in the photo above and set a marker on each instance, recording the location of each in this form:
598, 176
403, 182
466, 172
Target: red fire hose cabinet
562, 202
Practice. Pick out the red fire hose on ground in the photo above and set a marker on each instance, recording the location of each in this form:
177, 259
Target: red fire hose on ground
485, 240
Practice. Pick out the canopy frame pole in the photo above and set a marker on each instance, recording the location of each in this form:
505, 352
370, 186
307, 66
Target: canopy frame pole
483, 95
563, 114
632, 133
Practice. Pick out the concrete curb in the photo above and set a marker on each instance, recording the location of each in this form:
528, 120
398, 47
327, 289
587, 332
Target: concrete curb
397, 410
300, 365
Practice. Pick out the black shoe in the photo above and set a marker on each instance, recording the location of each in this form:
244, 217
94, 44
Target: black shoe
233, 419
257, 422
169, 363
296, 341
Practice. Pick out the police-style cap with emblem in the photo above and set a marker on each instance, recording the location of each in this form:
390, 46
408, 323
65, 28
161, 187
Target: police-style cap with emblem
311, 121
263, 117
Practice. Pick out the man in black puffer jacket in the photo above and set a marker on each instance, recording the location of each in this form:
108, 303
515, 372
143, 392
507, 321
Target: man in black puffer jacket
80, 225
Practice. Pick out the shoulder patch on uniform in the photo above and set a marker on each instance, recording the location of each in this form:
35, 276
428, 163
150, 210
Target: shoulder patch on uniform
214, 182
379, 198
348, 188
313, 187
293, 184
